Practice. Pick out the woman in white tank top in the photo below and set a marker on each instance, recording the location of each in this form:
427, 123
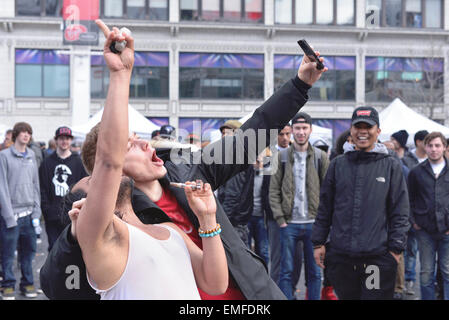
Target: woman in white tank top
162, 271
161, 262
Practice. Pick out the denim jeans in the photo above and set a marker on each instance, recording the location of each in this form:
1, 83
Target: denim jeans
429, 246
410, 256
258, 231
290, 235
23, 238
274, 238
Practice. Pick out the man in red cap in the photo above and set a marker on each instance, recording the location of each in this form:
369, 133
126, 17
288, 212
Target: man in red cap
57, 173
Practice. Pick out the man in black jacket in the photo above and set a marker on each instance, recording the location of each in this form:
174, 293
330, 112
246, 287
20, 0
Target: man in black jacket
429, 203
236, 194
57, 173
249, 278
364, 206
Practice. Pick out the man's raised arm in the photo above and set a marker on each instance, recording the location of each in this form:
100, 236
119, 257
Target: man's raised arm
98, 211
232, 154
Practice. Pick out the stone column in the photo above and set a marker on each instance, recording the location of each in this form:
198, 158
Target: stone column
80, 84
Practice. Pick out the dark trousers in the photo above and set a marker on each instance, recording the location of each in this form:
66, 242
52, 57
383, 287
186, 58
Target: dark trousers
23, 238
53, 229
362, 278
258, 231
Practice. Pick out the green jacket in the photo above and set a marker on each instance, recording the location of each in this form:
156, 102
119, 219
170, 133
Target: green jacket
282, 185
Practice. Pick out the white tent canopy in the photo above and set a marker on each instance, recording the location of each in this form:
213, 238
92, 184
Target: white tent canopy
3, 129
397, 116
137, 123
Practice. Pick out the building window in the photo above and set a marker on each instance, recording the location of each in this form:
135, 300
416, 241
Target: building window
220, 10
221, 76
414, 80
113, 8
135, 9
336, 84
51, 8
158, 10
406, 13
149, 78
325, 12
42, 73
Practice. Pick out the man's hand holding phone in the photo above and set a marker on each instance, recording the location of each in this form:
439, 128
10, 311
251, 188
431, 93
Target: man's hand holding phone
308, 70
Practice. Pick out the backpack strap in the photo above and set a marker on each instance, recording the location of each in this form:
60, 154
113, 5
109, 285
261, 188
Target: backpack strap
284, 159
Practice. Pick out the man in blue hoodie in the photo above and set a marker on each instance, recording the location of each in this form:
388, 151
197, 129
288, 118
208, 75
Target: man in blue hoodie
20, 203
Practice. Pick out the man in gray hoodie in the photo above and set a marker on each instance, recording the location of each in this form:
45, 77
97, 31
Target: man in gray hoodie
20, 210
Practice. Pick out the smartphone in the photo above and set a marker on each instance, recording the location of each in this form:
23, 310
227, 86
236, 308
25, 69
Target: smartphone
310, 53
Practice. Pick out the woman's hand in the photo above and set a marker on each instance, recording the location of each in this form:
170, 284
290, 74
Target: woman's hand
202, 203
74, 213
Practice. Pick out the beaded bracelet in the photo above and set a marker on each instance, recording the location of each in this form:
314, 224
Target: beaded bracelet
210, 233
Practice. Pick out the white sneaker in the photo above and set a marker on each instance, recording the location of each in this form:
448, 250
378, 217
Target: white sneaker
409, 288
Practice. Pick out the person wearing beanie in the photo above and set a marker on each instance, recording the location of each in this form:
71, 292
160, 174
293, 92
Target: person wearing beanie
399, 140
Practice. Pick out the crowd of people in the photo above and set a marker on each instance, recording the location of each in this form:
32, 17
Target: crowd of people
356, 217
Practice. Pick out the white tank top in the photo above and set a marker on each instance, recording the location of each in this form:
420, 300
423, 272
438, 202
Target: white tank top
155, 270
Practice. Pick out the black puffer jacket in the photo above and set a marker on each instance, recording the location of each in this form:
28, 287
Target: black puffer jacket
429, 198
364, 199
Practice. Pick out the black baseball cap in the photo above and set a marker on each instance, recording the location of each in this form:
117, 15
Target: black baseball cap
302, 117
167, 131
365, 114
63, 131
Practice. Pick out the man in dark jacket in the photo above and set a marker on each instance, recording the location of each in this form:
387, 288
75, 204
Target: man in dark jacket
364, 206
57, 173
249, 278
429, 204
412, 159
236, 194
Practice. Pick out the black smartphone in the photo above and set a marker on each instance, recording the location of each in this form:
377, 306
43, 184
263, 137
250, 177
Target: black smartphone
310, 53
